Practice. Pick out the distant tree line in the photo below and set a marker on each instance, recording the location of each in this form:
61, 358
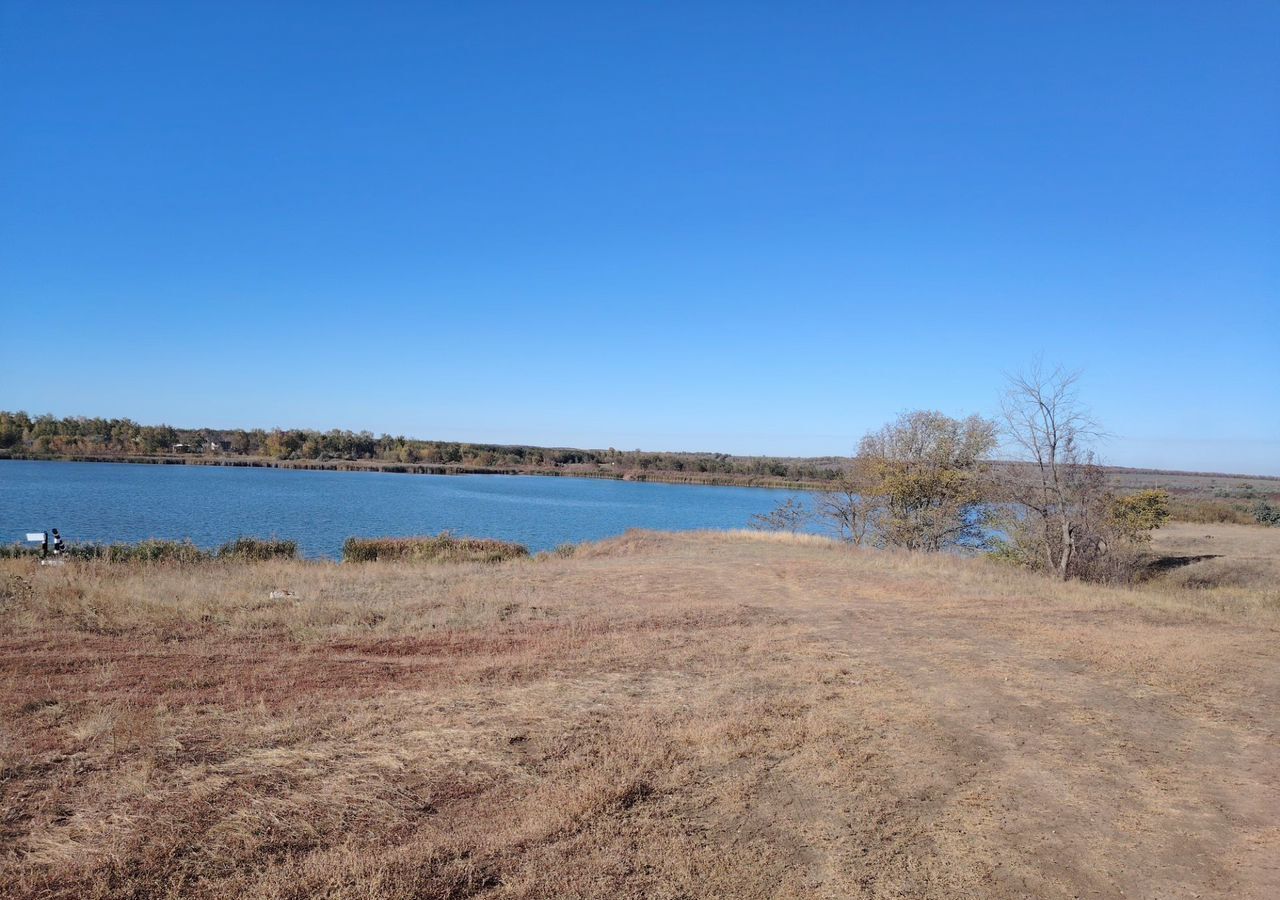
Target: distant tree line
73, 436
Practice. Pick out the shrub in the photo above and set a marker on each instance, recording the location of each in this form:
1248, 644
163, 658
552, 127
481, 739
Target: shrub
143, 551
789, 516
1266, 514
1209, 512
256, 549
1136, 515
1107, 543
156, 551
443, 547
1007, 552
147, 551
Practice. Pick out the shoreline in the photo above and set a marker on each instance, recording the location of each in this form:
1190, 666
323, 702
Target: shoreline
258, 462
661, 477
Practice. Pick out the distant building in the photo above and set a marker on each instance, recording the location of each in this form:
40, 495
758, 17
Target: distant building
219, 446
181, 448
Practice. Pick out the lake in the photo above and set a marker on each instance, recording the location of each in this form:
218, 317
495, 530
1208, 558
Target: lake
112, 502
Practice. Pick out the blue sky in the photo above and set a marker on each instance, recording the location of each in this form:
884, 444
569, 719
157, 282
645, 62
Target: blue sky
759, 228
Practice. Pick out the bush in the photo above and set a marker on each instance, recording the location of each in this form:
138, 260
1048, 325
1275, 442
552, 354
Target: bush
1209, 512
1266, 514
143, 551
1136, 515
444, 547
1108, 539
789, 516
257, 549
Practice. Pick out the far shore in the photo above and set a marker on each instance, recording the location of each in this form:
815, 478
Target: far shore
359, 465
1197, 484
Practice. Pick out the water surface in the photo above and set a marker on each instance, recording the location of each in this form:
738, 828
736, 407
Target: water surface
208, 505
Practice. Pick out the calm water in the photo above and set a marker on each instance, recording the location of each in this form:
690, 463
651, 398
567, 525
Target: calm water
109, 502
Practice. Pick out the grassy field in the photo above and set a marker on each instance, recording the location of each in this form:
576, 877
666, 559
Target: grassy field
665, 716
1217, 556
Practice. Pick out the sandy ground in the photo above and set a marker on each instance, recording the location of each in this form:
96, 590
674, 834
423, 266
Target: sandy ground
658, 716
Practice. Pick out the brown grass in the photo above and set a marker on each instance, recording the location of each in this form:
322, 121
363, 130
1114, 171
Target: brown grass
741, 715
442, 548
1208, 511
1218, 556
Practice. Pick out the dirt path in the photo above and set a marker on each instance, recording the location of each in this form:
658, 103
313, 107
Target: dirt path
1018, 768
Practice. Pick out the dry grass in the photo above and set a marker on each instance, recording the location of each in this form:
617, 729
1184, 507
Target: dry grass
440, 548
1211, 511
1219, 556
742, 715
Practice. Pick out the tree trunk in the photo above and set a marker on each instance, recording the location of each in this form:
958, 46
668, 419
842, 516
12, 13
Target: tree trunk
1068, 544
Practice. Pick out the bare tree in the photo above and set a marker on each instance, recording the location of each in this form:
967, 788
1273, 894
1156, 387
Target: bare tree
790, 515
847, 507
1056, 480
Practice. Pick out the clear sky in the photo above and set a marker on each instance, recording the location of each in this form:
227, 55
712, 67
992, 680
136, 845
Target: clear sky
750, 227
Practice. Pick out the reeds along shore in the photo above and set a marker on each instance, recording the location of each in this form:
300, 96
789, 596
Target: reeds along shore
157, 551
443, 547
